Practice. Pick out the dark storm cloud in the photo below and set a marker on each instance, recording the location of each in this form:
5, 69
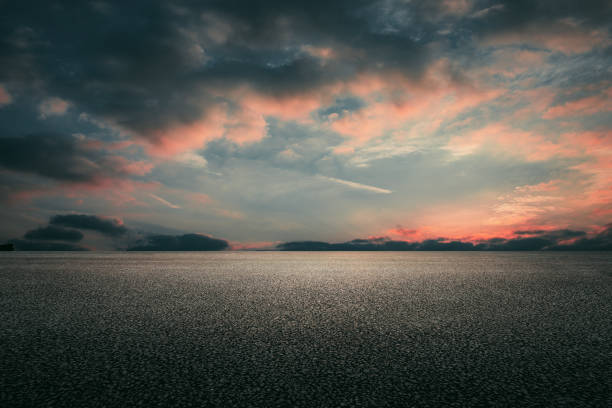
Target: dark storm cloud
54, 233
547, 240
151, 65
106, 226
186, 242
23, 245
57, 156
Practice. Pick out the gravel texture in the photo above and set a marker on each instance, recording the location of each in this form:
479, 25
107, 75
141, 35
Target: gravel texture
267, 329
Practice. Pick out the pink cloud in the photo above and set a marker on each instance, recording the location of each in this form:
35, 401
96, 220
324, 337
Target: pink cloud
138, 168
117, 192
227, 213
582, 107
185, 137
456, 7
245, 126
200, 198
296, 107
53, 107
584, 198
554, 204
502, 139
510, 62
244, 123
324, 53
395, 102
5, 96
552, 185
531, 102
124, 144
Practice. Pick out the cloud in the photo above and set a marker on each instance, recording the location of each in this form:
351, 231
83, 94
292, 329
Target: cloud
166, 74
555, 240
584, 106
375, 245
577, 27
122, 237
190, 73
5, 96
286, 145
54, 233
64, 158
53, 107
107, 226
186, 242
600, 242
341, 107
362, 92
22, 245
484, 12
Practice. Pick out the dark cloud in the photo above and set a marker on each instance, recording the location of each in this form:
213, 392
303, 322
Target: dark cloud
379, 245
60, 157
308, 246
547, 240
122, 236
520, 244
515, 15
106, 226
529, 232
600, 242
186, 242
54, 233
151, 65
536, 240
26, 245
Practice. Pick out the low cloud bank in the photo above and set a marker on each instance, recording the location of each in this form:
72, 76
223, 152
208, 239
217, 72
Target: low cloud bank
27, 245
557, 240
53, 233
64, 230
187, 242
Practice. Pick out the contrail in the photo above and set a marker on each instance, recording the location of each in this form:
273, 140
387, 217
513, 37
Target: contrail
358, 186
164, 202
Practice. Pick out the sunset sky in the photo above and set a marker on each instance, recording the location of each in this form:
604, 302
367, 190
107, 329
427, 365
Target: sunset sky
261, 122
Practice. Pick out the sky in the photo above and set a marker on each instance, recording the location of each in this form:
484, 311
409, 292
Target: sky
263, 122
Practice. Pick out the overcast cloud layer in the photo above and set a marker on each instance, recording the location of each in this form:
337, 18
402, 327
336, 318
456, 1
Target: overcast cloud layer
264, 122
